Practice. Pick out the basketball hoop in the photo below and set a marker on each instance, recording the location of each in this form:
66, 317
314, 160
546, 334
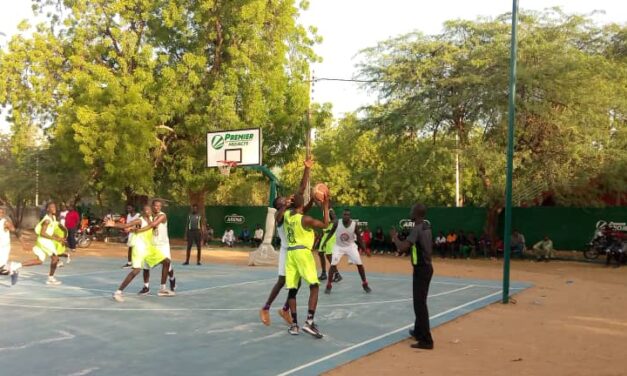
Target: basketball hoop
225, 167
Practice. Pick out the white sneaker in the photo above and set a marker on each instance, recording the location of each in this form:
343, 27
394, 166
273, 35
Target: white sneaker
60, 264
165, 292
68, 259
117, 296
53, 281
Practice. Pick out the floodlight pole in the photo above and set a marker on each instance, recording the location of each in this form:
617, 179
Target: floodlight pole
510, 156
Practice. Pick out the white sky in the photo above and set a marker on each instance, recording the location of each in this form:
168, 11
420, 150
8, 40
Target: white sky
347, 26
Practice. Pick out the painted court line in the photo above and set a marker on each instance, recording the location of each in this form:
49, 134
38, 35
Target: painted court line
64, 336
212, 309
320, 360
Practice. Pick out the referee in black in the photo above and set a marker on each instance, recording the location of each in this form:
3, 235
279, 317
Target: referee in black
194, 233
420, 243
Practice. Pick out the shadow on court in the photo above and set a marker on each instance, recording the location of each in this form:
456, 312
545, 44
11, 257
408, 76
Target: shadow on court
211, 326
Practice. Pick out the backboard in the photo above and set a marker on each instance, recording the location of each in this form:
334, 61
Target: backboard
239, 145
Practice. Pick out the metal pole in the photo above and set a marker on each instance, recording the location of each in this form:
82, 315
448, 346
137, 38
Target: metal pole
457, 201
510, 155
37, 179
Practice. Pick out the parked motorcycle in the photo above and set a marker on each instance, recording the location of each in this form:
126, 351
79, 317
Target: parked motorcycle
606, 239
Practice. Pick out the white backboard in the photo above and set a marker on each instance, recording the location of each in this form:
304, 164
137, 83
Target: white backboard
239, 145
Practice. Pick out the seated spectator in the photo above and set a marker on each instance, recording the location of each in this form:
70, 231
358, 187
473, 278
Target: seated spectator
440, 244
209, 235
244, 236
472, 243
499, 247
544, 249
401, 236
451, 244
517, 243
378, 241
258, 236
485, 245
228, 238
463, 244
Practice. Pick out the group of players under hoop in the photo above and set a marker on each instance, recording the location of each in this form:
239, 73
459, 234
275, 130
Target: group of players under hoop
148, 238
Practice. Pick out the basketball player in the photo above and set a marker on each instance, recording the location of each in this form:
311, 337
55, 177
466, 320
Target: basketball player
6, 267
282, 204
50, 242
300, 261
326, 249
161, 241
145, 255
346, 234
131, 215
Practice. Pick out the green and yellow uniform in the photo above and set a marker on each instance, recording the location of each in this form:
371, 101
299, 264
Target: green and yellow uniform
330, 239
145, 254
47, 247
300, 261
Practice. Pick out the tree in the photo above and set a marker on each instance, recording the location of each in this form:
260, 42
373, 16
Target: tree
568, 88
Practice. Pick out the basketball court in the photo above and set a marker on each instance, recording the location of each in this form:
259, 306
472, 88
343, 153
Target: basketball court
211, 326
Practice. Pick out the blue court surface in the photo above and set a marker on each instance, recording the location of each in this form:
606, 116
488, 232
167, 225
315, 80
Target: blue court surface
211, 327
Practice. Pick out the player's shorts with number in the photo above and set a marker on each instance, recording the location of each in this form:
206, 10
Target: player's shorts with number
300, 264
351, 251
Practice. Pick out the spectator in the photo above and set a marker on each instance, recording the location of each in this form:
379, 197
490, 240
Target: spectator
499, 246
544, 249
485, 245
366, 237
258, 236
209, 236
463, 245
440, 244
451, 243
72, 220
228, 238
472, 243
378, 242
84, 222
63, 214
517, 243
244, 236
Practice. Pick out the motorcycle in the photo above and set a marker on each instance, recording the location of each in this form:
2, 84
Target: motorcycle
84, 237
606, 239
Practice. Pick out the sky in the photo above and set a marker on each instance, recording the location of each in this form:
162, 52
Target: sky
348, 26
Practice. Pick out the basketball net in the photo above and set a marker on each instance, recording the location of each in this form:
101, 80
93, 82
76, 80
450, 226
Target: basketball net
225, 167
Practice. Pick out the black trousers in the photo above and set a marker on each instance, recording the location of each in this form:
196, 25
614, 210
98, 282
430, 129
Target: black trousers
193, 236
422, 279
71, 238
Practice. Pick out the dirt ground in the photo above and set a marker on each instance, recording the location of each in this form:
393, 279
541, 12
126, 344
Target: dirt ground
572, 322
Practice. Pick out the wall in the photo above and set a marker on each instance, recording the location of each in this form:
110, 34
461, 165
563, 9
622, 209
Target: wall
570, 228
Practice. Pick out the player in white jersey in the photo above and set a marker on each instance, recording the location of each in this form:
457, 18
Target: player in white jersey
281, 204
6, 267
131, 216
347, 234
161, 241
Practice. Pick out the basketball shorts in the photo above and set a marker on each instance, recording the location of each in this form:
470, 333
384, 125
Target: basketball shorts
351, 251
300, 263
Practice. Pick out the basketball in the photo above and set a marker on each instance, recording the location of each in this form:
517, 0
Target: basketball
321, 191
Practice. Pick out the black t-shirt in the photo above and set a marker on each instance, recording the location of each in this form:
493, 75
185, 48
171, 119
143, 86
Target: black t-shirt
421, 237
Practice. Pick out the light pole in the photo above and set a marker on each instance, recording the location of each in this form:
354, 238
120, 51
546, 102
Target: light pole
510, 155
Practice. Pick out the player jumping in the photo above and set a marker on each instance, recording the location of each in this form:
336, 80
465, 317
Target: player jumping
346, 234
281, 204
300, 262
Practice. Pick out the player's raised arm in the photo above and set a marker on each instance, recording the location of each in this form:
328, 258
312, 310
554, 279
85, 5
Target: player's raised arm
303, 182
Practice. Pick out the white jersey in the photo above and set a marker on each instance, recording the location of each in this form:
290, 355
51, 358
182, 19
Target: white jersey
132, 217
161, 232
281, 232
345, 236
5, 235
62, 216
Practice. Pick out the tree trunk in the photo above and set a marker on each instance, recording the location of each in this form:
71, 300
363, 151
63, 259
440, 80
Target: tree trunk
492, 222
198, 198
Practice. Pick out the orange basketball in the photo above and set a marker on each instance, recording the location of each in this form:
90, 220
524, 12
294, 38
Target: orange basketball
321, 191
